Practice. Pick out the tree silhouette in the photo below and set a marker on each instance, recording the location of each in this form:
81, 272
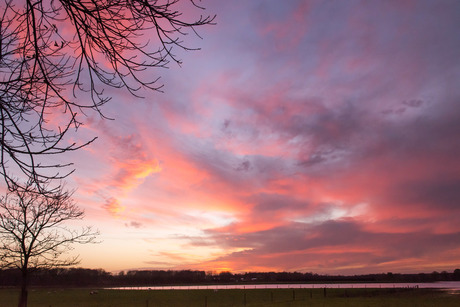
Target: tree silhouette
56, 58
33, 234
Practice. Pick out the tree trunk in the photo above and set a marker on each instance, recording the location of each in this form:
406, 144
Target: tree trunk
24, 289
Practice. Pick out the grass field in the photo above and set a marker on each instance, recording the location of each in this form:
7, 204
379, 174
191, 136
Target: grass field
211, 298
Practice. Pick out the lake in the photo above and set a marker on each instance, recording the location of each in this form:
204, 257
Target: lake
447, 285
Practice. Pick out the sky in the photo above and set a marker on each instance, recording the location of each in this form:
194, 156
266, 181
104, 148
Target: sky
310, 136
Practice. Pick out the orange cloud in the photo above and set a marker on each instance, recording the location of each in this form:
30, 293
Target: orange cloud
113, 206
130, 173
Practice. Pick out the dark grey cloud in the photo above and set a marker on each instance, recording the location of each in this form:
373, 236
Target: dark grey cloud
334, 243
439, 194
265, 202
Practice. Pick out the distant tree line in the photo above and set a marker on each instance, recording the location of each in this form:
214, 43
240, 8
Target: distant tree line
296, 277
80, 277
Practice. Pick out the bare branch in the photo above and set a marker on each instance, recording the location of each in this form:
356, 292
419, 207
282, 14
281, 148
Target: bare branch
56, 59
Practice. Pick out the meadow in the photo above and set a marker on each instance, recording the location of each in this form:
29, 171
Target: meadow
234, 297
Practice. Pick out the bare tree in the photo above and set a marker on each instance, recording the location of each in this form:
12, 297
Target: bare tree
33, 231
56, 59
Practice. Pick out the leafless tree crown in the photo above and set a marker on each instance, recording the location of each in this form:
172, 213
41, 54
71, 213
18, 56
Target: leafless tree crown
56, 58
33, 231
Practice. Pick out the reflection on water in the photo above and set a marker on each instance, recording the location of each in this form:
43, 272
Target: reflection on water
447, 285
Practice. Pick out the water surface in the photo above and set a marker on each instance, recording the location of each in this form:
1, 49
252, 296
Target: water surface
447, 285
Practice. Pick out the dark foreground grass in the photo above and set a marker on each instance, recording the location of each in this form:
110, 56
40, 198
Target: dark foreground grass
223, 298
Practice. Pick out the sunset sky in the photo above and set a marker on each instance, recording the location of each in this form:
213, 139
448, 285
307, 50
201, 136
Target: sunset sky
312, 136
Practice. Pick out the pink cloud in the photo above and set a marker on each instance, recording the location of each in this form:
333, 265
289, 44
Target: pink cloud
287, 32
337, 156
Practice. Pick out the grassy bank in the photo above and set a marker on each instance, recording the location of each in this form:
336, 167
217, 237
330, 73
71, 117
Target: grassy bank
253, 297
